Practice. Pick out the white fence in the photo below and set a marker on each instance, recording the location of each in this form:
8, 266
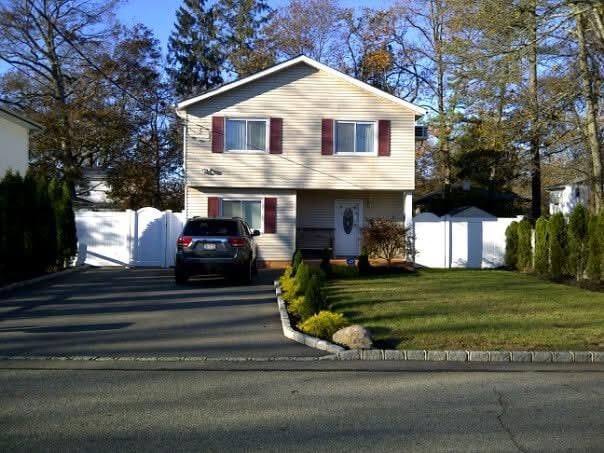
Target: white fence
146, 237
448, 242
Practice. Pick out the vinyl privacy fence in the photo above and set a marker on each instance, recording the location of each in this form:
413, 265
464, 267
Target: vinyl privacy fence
457, 242
143, 238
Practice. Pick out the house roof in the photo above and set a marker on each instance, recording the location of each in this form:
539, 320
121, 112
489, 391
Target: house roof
562, 186
310, 62
19, 119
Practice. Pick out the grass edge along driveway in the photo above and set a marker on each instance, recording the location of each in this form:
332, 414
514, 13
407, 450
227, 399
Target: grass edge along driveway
471, 310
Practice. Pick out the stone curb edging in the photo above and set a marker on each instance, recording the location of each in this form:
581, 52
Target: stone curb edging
341, 353
7, 358
292, 334
31, 281
474, 356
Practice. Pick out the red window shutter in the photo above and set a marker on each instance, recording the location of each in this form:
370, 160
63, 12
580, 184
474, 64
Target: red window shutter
270, 215
384, 138
276, 136
213, 207
326, 137
217, 134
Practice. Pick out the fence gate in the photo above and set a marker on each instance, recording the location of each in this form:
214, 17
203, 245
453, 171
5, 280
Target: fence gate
143, 238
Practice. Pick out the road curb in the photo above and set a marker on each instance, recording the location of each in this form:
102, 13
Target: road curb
42, 278
292, 334
340, 353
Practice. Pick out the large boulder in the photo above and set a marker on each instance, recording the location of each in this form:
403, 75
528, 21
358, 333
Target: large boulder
353, 337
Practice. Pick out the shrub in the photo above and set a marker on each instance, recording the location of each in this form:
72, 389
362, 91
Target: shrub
541, 247
314, 294
363, 263
595, 247
302, 276
300, 308
323, 325
326, 261
577, 241
525, 251
557, 245
288, 283
384, 238
296, 261
511, 246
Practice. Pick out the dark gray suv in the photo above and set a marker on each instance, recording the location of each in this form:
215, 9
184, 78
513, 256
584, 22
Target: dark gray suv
216, 246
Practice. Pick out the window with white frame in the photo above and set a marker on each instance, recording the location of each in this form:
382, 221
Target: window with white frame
242, 134
357, 137
248, 210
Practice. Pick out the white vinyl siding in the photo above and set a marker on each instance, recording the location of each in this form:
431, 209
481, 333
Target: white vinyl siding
278, 246
14, 144
301, 96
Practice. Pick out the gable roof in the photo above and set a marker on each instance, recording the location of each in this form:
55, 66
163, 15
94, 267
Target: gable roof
310, 62
19, 119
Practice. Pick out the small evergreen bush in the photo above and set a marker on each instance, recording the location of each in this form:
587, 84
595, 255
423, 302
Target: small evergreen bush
323, 325
541, 247
314, 294
300, 308
577, 240
363, 263
296, 261
525, 251
326, 261
511, 246
557, 246
595, 246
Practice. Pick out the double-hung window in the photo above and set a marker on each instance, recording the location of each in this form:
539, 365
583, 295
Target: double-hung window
246, 134
248, 210
355, 137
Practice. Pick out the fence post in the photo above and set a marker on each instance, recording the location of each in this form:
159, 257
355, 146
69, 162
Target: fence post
132, 237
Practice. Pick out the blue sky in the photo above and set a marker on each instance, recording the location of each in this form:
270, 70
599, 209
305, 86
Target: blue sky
159, 15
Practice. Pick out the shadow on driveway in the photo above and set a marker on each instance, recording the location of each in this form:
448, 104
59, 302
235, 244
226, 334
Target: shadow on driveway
142, 312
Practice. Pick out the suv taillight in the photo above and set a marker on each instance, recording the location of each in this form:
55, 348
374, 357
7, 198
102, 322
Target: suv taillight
237, 242
184, 241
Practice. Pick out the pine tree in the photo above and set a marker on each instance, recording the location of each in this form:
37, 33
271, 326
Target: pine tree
541, 247
595, 247
195, 61
240, 23
577, 240
511, 246
557, 246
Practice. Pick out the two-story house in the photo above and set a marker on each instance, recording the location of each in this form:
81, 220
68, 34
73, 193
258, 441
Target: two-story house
302, 152
14, 141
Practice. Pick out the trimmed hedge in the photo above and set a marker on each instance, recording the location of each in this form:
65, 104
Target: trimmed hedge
577, 240
557, 246
595, 248
541, 262
525, 250
511, 246
37, 224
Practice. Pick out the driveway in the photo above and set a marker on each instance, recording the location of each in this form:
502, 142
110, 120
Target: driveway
141, 312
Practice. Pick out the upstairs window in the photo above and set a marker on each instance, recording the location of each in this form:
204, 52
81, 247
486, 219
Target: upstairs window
246, 135
355, 137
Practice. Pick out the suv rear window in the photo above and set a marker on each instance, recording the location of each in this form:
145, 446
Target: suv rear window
211, 227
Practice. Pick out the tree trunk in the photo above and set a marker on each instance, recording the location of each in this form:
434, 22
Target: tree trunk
591, 116
535, 137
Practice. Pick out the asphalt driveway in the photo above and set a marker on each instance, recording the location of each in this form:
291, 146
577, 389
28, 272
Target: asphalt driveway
142, 312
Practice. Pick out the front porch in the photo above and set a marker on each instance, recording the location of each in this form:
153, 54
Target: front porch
332, 219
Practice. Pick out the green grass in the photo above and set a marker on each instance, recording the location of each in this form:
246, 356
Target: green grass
471, 309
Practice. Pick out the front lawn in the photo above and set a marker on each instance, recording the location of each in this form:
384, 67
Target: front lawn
471, 310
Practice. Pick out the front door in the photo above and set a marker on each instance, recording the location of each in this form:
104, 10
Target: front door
348, 215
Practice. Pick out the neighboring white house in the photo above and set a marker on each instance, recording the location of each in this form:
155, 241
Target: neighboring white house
304, 153
94, 188
564, 197
14, 141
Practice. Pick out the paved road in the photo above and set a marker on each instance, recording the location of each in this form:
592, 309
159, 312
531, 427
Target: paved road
141, 312
290, 408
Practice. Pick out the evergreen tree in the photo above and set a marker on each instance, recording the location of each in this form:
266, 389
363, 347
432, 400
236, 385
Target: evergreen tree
595, 247
240, 23
194, 57
557, 245
511, 246
525, 252
541, 247
66, 241
577, 240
